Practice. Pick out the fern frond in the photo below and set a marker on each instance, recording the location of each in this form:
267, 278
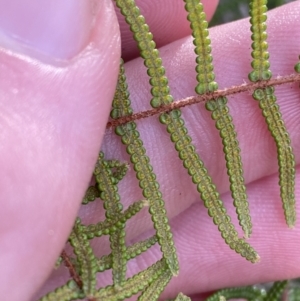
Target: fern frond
132, 285
270, 109
67, 292
144, 171
85, 257
183, 145
153, 291
247, 292
220, 111
276, 291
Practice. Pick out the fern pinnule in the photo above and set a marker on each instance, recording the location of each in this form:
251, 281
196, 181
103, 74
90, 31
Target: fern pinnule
67, 292
276, 291
297, 66
219, 111
153, 291
119, 169
109, 226
205, 186
249, 293
204, 68
140, 247
270, 109
107, 186
294, 294
91, 194
85, 257
144, 173
134, 284
105, 262
182, 297
148, 51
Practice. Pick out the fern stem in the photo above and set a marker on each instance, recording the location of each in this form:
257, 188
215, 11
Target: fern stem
270, 109
219, 111
192, 100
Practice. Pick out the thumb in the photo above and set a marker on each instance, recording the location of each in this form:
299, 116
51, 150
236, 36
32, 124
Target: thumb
59, 63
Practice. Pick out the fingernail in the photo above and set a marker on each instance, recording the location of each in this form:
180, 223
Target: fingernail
54, 28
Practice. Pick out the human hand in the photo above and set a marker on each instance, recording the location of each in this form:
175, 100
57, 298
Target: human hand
66, 142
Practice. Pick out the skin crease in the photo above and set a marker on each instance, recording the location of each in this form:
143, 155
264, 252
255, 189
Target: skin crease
206, 262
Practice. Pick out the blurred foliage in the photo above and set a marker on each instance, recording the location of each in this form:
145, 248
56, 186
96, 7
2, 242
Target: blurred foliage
230, 10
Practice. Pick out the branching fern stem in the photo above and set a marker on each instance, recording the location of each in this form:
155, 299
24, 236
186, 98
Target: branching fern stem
219, 111
144, 171
192, 100
270, 109
109, 194
179, 133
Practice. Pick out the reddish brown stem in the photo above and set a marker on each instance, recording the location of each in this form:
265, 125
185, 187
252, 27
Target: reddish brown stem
250, 87
71, 268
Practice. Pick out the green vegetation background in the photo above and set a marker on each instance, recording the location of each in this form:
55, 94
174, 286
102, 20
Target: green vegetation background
230, 10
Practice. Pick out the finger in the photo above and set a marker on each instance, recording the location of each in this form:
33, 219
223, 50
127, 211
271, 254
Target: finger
258, 150
56, 85
167, 21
